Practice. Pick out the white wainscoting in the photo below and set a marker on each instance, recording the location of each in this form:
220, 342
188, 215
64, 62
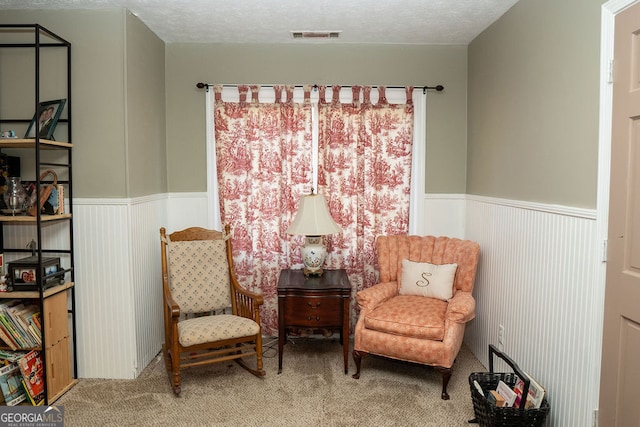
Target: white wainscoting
118, 279
539, 277
118, 291
443, 215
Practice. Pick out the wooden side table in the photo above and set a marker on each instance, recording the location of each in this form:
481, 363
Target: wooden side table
315, 303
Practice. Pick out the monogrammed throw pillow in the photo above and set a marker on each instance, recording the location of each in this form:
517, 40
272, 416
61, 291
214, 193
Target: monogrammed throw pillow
428, 280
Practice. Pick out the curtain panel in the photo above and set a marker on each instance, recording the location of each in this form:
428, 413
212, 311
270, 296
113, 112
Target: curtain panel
263, 153
364, 170
266, 159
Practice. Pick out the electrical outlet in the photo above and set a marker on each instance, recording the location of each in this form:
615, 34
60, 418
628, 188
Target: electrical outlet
501, 335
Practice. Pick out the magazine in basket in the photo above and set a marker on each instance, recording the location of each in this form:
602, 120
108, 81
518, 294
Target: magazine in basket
535, 395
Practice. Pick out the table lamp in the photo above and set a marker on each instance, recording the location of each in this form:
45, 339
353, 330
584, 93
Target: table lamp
313, 220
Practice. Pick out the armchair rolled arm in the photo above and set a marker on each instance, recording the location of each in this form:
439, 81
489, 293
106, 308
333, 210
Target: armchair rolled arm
461, 308
370, 298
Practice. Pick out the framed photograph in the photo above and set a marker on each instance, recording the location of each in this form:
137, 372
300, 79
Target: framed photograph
45, 120
50, 269
24, 275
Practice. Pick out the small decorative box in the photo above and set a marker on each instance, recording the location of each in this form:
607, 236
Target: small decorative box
22, 273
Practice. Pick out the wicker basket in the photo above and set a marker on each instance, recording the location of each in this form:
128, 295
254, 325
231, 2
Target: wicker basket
488, 414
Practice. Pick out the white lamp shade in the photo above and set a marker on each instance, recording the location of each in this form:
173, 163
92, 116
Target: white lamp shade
313, 217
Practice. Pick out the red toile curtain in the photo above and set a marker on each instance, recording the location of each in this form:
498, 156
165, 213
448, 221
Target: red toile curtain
364, 171
263, 153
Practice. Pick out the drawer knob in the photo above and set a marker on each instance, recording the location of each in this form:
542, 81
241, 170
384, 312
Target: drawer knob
311, 317
314, 306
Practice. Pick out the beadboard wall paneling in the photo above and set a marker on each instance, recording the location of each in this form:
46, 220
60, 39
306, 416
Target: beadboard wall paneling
538, 276
187, 210
443, 215
118, 278
118, 291
147, 216
105, 314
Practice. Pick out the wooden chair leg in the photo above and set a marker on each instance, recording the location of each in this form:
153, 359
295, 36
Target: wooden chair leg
175, 371
446, 376
357, 357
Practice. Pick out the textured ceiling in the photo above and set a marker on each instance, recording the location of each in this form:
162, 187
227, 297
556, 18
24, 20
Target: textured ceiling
271, 21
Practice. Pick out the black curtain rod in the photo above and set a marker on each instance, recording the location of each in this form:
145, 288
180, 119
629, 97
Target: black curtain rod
438, 88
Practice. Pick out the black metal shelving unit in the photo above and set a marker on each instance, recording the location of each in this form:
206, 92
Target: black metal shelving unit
36, 39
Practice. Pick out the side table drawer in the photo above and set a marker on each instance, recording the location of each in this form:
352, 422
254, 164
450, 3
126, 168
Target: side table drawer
312, 312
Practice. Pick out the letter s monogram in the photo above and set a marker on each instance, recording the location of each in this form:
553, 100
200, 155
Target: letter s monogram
424, 283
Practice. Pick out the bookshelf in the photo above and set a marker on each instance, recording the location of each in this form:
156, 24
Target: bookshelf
31, 48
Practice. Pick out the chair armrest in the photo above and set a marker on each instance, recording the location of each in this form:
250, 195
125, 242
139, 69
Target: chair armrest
246, 303
461, 308
172, 306
243, 294
370, 298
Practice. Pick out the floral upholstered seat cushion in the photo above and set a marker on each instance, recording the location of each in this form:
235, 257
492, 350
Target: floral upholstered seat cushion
207, 329
410, 316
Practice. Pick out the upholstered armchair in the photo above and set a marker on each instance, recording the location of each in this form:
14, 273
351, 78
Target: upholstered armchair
418, 310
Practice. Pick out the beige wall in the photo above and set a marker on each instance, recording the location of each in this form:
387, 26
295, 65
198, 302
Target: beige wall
118, 88
118, 99
145, 106
532, 100
533, 104
327, 64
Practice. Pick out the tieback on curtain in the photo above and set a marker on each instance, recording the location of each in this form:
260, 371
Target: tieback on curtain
252, 91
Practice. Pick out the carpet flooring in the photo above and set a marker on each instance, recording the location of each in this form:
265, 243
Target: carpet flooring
312, 390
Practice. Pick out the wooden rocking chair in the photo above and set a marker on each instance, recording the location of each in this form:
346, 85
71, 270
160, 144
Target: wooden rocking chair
208, 317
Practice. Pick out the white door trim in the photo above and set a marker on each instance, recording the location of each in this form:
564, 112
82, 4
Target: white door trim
609, 11
607, 29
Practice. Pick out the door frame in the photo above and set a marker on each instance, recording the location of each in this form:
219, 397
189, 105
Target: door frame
607, 32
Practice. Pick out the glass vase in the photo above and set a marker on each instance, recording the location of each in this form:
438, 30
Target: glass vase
15, 196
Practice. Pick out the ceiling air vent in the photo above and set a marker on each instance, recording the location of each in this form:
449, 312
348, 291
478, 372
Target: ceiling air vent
315, 34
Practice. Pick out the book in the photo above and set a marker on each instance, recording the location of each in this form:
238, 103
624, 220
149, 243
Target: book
519, 390
10, 327
535, 394
35, 318
21, 326
507, 393
32, 372
495, 399
10, 356
26, 318
476, 384
35, 401
11, 385
5, 336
